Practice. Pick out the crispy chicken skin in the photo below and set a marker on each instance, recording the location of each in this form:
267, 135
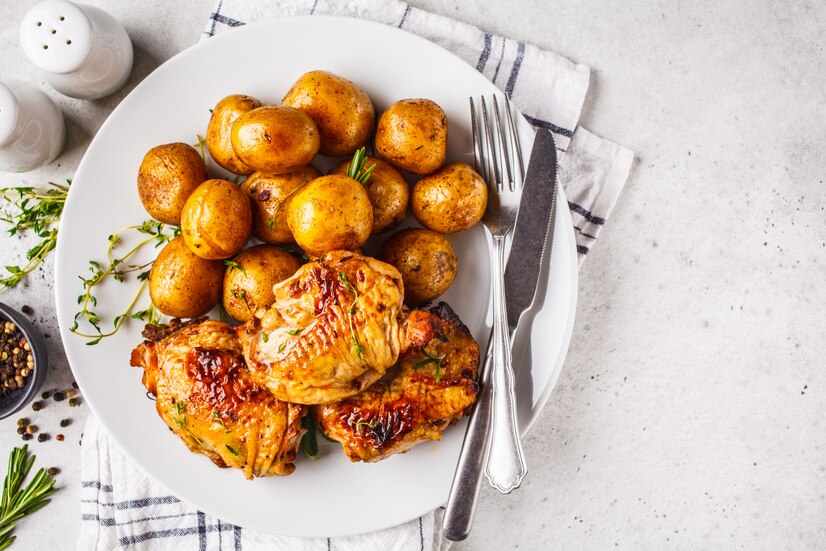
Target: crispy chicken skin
333, 329
408, 406
205, 395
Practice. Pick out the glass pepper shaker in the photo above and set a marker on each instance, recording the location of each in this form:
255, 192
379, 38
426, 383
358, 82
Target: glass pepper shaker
82, 51
32, 131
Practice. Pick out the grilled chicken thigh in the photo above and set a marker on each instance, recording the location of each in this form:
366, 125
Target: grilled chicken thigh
429, 389
204, 393
333, 329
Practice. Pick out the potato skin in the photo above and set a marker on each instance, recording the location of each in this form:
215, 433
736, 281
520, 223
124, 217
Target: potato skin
451, 199
330, 213
269, 197
388, 192
168, 174
342, 111
426, 261
216, 220
412, 135
219, 131
249, 288
184, 285
275, 138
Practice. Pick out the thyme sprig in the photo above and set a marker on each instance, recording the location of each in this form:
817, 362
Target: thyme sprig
37, 210
117, 268
430, 358
356, 170
16, 503
356, 345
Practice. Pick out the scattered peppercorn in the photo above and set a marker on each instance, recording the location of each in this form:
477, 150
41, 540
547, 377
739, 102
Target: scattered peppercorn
37, 406
52, 471
58, 396
21, 430
74, 402
42, 437
59, 437
31, 429
65, 422
46, 395
22, 422
70, 393
27, 310
74, 385
26, 436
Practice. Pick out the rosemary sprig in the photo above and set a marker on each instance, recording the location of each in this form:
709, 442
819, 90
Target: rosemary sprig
356, 170
38, 209
430, 358
356, 345
16, 503
117, 269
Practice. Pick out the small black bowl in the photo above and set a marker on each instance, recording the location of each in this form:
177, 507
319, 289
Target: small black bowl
16, 400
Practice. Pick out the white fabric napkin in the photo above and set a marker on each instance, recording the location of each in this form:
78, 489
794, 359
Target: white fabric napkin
122, 508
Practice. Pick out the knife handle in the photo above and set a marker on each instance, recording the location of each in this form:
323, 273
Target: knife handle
461, 503
506, 466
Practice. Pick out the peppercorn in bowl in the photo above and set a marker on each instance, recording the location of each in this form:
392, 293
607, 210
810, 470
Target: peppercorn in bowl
23, 361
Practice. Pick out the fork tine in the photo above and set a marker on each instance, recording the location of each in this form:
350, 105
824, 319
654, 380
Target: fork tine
477, 144
503, 142
493, 165
515, 141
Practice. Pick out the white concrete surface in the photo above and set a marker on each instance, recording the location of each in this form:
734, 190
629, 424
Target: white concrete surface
689, 413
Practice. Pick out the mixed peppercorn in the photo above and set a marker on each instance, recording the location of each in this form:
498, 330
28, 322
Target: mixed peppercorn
16, 359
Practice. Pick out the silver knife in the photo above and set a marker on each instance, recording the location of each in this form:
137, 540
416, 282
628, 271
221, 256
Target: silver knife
532, 242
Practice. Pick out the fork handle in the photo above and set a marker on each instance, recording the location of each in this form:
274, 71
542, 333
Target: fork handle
505, 466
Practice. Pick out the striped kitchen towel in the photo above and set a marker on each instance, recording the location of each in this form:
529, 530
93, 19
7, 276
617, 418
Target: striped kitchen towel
123, 509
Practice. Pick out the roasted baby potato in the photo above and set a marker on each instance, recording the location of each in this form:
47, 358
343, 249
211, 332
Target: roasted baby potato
269, 195
249, 279
330, 213
412, 135
168, 174
451, 199
219, 131
216, 219
275, 138
426, 261
388, 193
183, 285
342, 111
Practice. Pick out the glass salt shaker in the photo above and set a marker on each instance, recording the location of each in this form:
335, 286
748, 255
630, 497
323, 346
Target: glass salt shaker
32, 131
82, 51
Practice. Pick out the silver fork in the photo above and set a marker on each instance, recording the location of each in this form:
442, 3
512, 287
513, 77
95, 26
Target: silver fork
501, 453
505, 465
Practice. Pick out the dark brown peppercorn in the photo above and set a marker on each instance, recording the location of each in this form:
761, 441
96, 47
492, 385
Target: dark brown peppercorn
46, 395
74, 402
42, 437
59, 437
21, 430
58, 396
27, 310
65, 422
37, 406
26, 436
52, 471
74, 385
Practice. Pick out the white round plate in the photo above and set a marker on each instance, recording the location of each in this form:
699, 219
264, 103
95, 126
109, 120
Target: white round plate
172, 104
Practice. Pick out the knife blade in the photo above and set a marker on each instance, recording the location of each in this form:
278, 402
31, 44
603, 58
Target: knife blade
533, 232
527, 254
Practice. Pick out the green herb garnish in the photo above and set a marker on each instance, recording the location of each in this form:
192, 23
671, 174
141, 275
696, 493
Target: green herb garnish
219, 420
232, 450
200, 145
264, 337
309, 443
356, 170
294, 331
16, 503
233, 265
430, 358
117, 269
38, 210
180, 410
347, 285
281, 347
359, 424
